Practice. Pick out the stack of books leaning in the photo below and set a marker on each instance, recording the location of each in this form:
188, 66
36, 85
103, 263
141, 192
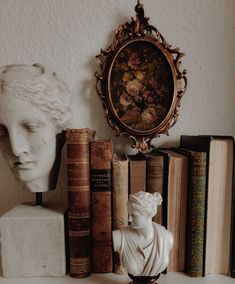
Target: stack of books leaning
194, 179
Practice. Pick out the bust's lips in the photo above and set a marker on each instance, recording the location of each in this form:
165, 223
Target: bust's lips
27, 165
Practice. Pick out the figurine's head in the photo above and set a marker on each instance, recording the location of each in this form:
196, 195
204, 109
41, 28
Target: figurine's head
144, 203
142, 206
34, 110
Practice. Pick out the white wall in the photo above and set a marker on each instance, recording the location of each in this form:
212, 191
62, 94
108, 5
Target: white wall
66, 35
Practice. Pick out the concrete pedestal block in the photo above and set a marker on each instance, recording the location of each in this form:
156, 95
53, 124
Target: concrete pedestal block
33, 241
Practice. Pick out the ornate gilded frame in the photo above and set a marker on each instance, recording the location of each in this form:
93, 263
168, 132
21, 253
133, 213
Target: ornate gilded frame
140, 83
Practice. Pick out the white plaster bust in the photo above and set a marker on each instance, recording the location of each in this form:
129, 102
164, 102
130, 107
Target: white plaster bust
143, 246
34, 111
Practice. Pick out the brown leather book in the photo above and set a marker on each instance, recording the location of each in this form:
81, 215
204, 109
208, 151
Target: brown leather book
77, 142
137, 173
119, 200
101, 212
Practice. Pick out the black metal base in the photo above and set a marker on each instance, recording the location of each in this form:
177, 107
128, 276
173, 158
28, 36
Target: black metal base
143, 279
38, 198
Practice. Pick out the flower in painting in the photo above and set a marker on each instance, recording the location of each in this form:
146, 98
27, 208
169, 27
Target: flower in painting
148, 96
126, 77
161, 90
134, 61
149, 115
153, 83
139, 75
160, 110
121, 67
133, 87
125, 100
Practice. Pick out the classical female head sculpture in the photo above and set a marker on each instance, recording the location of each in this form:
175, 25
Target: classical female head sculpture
34, 111
143, 246
144, 203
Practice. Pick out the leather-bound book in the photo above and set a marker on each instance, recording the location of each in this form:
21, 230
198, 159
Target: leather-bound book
77, 145
137, 173
119, 200
101, 212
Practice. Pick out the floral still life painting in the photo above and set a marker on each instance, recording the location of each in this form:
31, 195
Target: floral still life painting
141, 85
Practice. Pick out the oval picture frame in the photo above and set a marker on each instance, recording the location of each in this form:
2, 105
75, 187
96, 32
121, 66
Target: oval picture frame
140, 83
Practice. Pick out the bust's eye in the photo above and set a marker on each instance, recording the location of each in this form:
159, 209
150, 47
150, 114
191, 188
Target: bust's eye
31, 127
3, 131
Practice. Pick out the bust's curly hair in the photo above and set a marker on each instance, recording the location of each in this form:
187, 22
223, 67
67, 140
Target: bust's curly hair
36, 84
144, 203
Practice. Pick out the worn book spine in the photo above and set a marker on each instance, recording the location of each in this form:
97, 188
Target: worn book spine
137, 173
119, 200
77, 142
155, 180
174, 198
101, 212
195, 242
177, 196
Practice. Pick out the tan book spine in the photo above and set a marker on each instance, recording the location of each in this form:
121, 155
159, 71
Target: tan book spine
77, 142
137, 173
175, 193
177, 196
119, 200
101, 212
154, 180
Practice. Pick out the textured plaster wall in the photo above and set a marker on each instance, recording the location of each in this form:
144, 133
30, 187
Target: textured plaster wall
66, 35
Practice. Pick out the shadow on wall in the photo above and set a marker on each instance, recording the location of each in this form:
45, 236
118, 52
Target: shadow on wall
88, 96
11, 192
93, 103
166, 144
60, 194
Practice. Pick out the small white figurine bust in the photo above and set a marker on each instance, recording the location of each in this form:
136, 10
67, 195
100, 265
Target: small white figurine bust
34, 111
143, 246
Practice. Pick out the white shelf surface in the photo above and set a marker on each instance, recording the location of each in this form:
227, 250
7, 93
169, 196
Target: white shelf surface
110, 278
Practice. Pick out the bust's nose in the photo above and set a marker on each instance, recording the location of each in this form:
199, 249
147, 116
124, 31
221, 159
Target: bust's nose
19, 143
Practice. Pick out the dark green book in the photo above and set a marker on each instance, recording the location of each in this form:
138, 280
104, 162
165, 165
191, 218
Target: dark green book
196, 212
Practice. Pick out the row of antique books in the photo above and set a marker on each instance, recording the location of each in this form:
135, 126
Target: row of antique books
195, 180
